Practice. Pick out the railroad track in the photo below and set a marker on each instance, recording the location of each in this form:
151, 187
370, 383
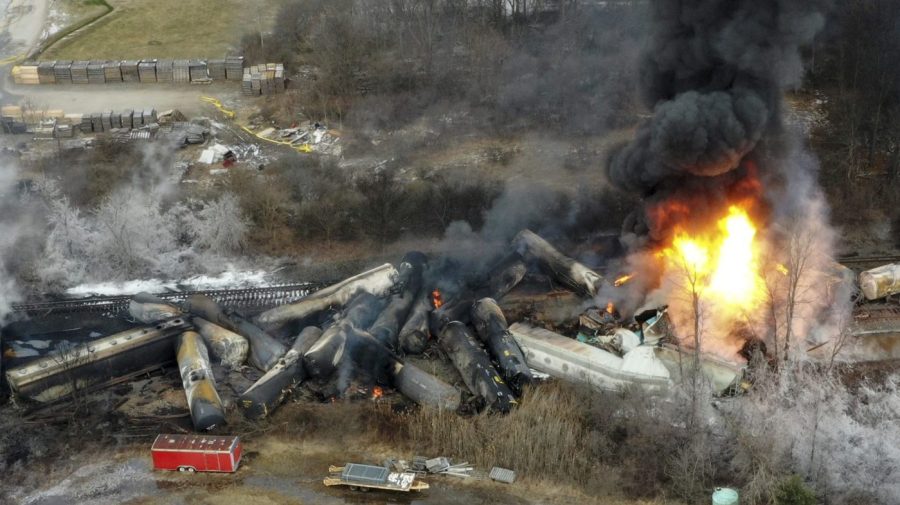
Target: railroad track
865, 260
230, 298
877, 311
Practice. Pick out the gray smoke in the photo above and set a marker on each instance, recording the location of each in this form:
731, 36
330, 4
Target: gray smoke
713, 74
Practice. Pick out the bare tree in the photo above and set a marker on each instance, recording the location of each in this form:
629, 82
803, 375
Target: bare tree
689, 279
70, 357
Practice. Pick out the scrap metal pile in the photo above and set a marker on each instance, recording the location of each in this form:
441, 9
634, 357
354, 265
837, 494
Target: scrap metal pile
360, 336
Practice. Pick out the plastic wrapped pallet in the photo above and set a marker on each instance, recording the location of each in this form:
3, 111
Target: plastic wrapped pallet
247, 84
149, 116
87, 124
97, 122
147, 71
130, 70
112, 71
234, 68
80, 72
181, 71
216, 69
45, 72
106, 120
126, 118
164, 70
95, 73
62, 72
198, 70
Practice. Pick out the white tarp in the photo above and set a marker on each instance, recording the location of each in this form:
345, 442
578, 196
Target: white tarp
213, 154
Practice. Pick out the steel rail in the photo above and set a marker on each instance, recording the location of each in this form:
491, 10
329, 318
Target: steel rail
232, 298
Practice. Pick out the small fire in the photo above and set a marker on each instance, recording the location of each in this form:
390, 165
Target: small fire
623, 279
436, 298
610, 309
377, 392
783, 270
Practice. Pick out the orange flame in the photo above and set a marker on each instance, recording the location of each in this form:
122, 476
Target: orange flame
622, 280
720, 265
377, 392
610, 308
436, 298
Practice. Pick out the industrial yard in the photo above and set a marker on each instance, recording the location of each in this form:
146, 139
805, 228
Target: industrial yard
349, 251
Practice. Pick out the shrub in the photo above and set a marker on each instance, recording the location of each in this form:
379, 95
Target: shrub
792, 491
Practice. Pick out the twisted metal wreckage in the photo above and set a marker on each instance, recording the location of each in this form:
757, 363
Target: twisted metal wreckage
362, 331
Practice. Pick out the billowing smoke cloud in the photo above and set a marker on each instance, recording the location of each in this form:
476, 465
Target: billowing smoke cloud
713, 74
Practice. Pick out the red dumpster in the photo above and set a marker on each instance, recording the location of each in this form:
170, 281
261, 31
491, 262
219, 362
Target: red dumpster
196, 453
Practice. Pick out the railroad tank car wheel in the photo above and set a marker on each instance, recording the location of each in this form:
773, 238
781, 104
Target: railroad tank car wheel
353, 488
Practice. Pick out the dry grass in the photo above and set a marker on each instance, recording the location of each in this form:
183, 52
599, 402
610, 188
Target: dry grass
167, 29
543, 438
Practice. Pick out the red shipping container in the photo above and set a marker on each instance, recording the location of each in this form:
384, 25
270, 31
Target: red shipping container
196, 453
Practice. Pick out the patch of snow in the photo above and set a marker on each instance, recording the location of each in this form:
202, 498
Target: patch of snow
230, 279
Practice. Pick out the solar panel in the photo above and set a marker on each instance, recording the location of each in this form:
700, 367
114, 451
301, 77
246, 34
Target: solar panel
365, 473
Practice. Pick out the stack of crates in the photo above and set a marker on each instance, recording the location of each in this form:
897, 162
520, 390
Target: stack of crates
80, 72
45, 72
181, 71
198, 71
26, 74
234, 68
164, 71
126, 118
96, 73
216, 70
112, 71
62, 72
130, 71
147, 70
247, 83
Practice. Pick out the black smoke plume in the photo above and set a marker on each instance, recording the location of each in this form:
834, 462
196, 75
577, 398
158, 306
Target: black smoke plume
713, 74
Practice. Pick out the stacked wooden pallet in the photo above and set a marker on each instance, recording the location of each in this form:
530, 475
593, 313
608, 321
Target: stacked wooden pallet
279, 77
97, 122
247, 83
263, 79
86, 124
106, 120
80, 72
126, 116
164, 71
45, 72
216, 69
199, 71
149, 116
147, 70
181, 71
26, 74
234, 68
112, 71
130, 70
62, 71
95, 73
